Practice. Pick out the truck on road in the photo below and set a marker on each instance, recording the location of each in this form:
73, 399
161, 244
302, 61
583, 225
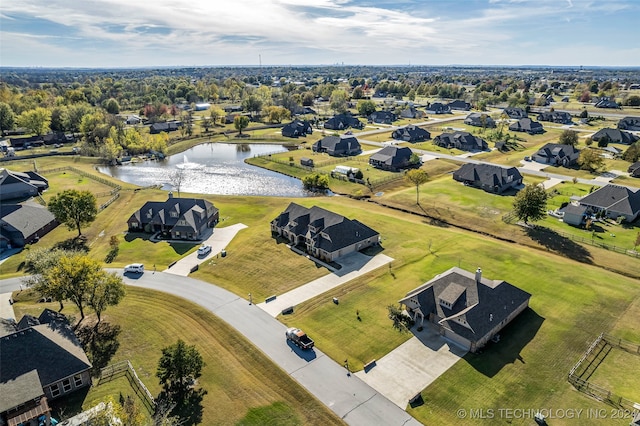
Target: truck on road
299, 338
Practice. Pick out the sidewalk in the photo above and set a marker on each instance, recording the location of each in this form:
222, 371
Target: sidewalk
6, 308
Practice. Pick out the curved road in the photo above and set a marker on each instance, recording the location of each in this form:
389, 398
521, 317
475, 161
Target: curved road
346, 395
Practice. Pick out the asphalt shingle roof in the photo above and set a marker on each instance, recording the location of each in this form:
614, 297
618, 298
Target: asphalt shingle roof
617, 198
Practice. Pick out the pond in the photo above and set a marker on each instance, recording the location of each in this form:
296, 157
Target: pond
212, 168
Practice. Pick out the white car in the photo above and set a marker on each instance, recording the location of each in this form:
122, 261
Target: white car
204, 250
134, 268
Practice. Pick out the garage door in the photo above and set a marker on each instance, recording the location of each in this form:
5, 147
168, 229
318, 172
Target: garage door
459, 340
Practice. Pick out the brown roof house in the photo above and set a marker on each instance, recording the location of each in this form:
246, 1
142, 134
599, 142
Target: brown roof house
469, 309
323, 234
40, 360
177, 218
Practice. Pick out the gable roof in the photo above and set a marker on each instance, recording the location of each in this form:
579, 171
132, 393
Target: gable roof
27, 218
341, 121
489, 175
392, 155
347, 143
514, 112
553, 150
459, 104
19, 389
617, 198
615, 136
526, 125
461, 140
192, 210
629, 123
411, 133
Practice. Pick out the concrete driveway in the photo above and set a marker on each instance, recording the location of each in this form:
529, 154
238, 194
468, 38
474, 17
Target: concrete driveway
412, 366
220, 239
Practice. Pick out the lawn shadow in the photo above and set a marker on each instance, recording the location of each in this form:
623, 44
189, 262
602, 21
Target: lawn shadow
188, 408
69, 405
73, 244
306, 354
513, 338
557, 243
100, 343
130, 236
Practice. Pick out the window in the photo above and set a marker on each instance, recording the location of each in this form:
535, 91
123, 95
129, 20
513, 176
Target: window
173, 214
134, 224
66, 385
77, 380
55, 390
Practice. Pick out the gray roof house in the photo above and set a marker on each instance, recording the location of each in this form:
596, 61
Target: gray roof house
15, 185
629, 123
614, 201
438, 108
177, 218
411, 133
22, 224
526, 125
338, 146
41, 360
479, 120
382, 117
468, 308
606, 102
464, 141
557, 155
169, 126
634, 169
392, 158
514, 112
614, 136
322, 234
411, 112
559, 117
343, 121
297, 128
459, 105
489, 177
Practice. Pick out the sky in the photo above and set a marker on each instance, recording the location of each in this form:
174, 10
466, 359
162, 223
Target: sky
146, 33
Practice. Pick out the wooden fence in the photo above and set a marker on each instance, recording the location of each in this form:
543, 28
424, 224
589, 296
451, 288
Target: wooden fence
124, 368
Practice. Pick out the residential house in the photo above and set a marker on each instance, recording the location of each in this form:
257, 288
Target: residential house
611, 152
232, 108
606, 102
469, 309
557, 155
20, 185
559, 117
459, 105
438, 108
297, 128
516, 113
464, 141
489, 177
629, 123
176, 218
614, 136
22, 224
382, 117
343, 121
40, 360
411, 133
202, 106
614, 201
574, 214
479, 120
338, 146
133, 120
411, 112
526, 125
392, 158
26, 142
168, 126
634, 169
323, 234
304, 161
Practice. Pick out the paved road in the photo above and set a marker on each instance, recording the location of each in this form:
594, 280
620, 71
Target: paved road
346, 395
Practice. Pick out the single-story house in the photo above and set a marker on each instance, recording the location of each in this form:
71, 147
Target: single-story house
323, 234
606, 102
202, 106
574, 214
614, 201
168, 126
21, 185
634, 169
479, 120
515, 112
526, 125
438, 108
25, 142
464, 141
459, 105
232, 108
411, 112
411, 133
382, 117
629, 123
297, 128
22, 224
41, 359
338, 146
559, 117
343, 121
133, 119
469, 309
489, 177
392, 158
557, 155
179, 218
614, 136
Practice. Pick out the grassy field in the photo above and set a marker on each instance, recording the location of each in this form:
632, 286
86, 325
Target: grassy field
608, 374
243, 386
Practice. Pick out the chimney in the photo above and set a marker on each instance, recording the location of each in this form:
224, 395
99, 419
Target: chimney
170, 194
478, 275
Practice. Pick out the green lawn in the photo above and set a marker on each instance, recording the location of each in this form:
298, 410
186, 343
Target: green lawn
608, 374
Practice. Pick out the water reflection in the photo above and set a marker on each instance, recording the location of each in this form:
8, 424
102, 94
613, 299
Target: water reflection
213, 168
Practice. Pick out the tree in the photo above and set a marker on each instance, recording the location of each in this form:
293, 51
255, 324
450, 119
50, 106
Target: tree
38, 263
177, 178
417, 177
401, 321
74, 208
275, 114
366, 108
107, 290
590, 160
240, 122
315, 182
338, 101
632, 154
569, 137
252, 104
112, 106
36, 120
530, 203
216, 114
633, 100
7, 117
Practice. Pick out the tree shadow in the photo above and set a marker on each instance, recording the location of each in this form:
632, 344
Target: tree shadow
187, 408
100, 343
130, 236
559, 244
73, 244
513, 338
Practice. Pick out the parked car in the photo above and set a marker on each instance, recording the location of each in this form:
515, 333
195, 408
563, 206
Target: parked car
204, 250
134, 268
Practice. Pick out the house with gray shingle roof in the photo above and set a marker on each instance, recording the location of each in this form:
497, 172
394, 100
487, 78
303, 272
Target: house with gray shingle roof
514, 112
392, 158
177, 218
438, 108
469, 308
614, 201
411, 133
343, 121
382, 117
459, 105
22, 224
634, 169
297, 128
464, 141
526, 125
614, 136
629, 123
321, 233
338, 146
479, 120
15, 185
489, 177
557, 155
560, 117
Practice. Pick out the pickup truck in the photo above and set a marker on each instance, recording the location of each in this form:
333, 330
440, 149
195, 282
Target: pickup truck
299, 338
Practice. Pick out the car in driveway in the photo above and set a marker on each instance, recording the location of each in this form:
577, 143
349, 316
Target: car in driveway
204, 250
134, 268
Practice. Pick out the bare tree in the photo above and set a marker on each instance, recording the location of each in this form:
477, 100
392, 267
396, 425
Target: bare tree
177, 179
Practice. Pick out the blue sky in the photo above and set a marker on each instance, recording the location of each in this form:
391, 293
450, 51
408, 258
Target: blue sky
125, 33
